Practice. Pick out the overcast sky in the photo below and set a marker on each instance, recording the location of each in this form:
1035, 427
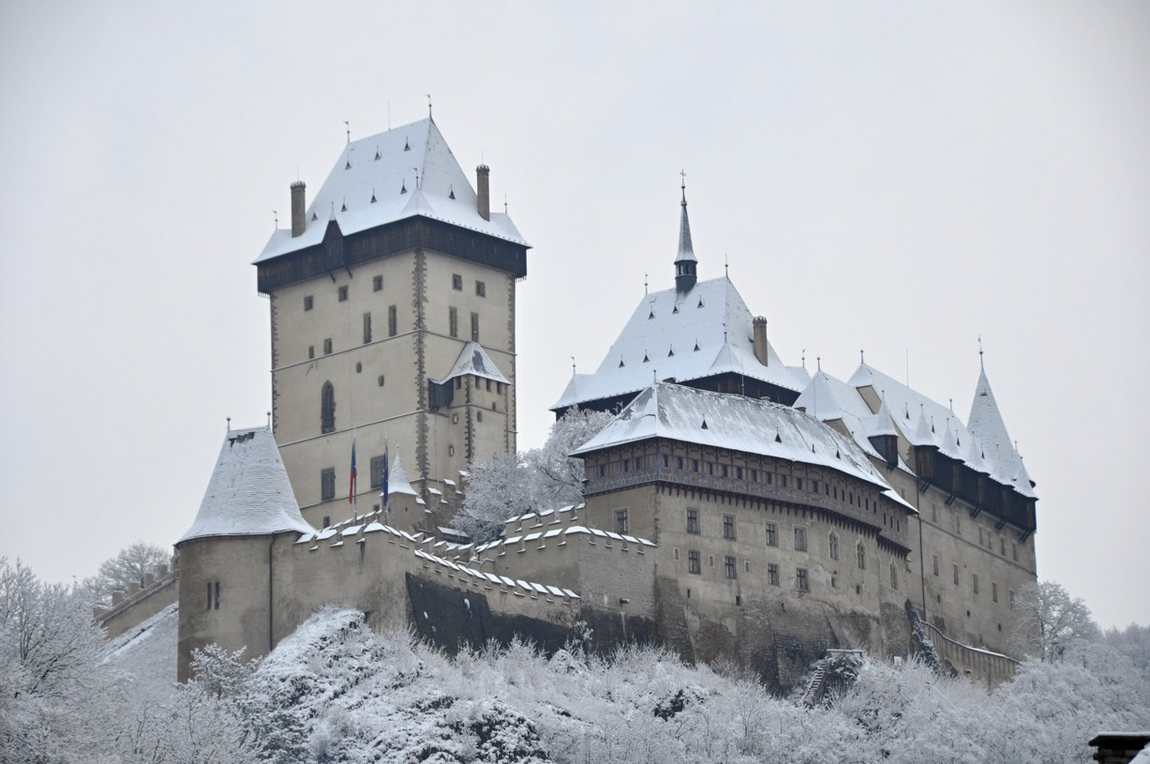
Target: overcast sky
894, 177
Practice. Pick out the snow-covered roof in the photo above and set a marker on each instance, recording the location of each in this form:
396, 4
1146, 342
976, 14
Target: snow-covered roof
398, 174
249, 493
924, 421
702, 332
474, 360
828, 398
397, 481
737, 423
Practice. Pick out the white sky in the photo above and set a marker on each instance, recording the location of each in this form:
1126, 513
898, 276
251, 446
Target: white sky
882, 176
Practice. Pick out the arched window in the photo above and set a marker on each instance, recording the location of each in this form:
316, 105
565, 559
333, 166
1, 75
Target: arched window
834, 546
327, 408
862, 556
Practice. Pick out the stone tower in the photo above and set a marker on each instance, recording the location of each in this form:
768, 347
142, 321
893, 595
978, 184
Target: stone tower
392, 307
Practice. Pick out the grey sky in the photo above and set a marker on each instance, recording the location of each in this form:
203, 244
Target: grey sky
881, 176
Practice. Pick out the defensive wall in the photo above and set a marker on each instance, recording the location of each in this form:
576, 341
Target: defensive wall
154, 592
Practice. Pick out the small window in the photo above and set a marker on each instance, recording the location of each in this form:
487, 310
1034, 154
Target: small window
724, 470
754, 476
694, 465
621, 524
459, 383
343, 293
602, 470
378, 467
216, 588
327, 484
311, 351
1002, 546
802, 580
773, 573
475, 327
694, 562
1014, 551
729, 527
746, 566
209, 600
935, 564
326, 521
478, 416
738, 473
955, 575
453, 321
380, 380
451, 450
974, 583
834, 579
800, 539
377, 283
392, 321
480, 289
366, 328
327, 346
893, 577
457, 282
308, 302
730, 567
358, 367
693, 521
833, 545
488, 385
327, 408
994, 592
772, 534
861, 553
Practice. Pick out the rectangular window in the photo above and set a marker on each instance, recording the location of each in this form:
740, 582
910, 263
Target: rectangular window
453, 321
694, 465
935, 560
956, 575
729, 527
392, 321
974, 582
343, 293
475, 327
457, 282
773, 573
694, 562
893, 577
209, 602
308, 302
799, 483
327, 346
378, 464
833, 546
377, 283
1002, 546
621, 524
724, 470
772, 534
730, 567
327, 484
754, 476
693, 521
980, 542
800, 539
861, 551
802, 580
311, 351
366, 328
1014, 551
994, 592
480, 289
738, 473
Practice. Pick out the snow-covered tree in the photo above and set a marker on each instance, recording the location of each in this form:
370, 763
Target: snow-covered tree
1047, 620
544, 478
126, 569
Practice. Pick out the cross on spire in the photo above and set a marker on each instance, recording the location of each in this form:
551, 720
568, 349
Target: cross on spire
981, 364
347, 130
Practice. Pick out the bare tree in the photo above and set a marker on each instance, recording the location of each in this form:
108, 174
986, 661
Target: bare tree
126, 569
1048, 620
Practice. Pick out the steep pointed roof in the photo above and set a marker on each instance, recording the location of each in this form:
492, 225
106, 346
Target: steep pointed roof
474, 360
686, 247
686, 335
397, 480
986, 422
249, 493
397, 174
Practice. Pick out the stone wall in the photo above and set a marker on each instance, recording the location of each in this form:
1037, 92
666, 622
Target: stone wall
138, 605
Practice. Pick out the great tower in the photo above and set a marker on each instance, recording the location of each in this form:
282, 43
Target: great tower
392, 307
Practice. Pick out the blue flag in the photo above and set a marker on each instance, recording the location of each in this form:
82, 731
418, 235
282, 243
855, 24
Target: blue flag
383, 478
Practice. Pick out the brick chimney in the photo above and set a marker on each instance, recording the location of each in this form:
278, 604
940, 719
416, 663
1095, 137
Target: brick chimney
760, 325
298, 213
483, 189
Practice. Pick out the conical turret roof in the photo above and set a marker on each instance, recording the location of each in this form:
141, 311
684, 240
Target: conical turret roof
249, 493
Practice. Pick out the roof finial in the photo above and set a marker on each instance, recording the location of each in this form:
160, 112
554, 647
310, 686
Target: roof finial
505, 205
981, 365
347, 130
804, 358
683, 185
429, 107
269, 420
572, 366
644, 284
229, 424
862, 358
276, 218
819, 361
726, 267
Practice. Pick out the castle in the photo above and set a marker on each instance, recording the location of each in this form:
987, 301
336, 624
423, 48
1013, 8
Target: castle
735, 507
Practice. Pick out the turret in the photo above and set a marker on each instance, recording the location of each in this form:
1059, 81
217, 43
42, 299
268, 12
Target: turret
685, 262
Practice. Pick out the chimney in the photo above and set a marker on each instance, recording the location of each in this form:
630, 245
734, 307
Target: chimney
483, 187
298, 213
760, 325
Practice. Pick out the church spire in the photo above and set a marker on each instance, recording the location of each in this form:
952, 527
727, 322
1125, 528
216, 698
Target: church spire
685, 262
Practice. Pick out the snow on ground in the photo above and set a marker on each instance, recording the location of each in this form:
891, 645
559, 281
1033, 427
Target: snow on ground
146, 654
